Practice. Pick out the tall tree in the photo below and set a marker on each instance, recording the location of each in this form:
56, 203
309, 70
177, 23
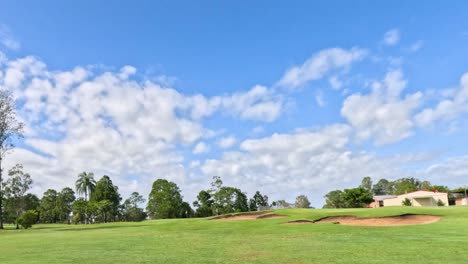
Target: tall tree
164, 200
302, 202
356, 198
334, 199
204, 204
131, 211
64, 203
48, 207
261, 202
229, 200
106, 190
383, 187
15, 189
10, 129
85, 185
366, 183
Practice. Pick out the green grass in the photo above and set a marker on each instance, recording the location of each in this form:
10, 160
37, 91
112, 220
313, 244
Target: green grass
247, 241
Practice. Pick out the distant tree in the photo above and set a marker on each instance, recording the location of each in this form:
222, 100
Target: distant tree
204, 204
282, 204
229, 200
260, 202
131, 211
406, 202
10, 128
85, 185
334, 199
65, 199
356, 198
165, 200
366, 183
439, 188
49, 212
186, 211
28, 218
383, 187
15, 189
79, 208
31, 202
216, 184
105, 190
406, 185
302, 202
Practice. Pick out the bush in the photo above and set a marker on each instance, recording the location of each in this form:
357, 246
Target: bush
440, 203
406, 202
28, 218
76, 218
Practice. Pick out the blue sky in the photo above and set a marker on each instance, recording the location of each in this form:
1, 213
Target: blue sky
287, 98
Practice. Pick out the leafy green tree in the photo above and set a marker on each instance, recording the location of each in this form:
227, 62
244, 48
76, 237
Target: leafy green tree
28, 218
357, 198
85, 185
406, 202
229, 200
383, 187
366, 183
302, 202
10, 129
164, 200
186, 211
48, 207
105, 190
66, 197
334, 199
15, 189
258, 202
203, 204
131, 211
31, 202
406, 185
80, 207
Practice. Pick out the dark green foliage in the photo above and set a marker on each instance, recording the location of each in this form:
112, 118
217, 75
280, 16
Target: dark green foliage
440, 203
203, 204
130, 209
366, 184
107, 198
28, 218
164, 200
258, 202
334, 199
383, 187
186, 211
406, 202
302, 202
79, 208
48, 209
356, 198
64, 204
230, 200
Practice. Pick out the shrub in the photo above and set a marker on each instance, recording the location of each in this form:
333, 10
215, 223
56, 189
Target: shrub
76, 218
440, 203
406, 202
28, 218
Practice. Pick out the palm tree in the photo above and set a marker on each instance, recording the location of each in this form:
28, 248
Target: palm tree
85, 185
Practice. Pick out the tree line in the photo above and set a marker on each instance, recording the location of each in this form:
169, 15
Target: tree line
101, 201
362, 195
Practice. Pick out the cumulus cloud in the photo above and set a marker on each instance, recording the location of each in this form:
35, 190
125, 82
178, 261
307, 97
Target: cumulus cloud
200, 148
227, 142
391, 37
307, 161
447, 109
7, 39
320, 64
383, 115
109, 123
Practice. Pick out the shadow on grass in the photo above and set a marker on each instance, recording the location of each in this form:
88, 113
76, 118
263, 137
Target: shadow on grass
96, 227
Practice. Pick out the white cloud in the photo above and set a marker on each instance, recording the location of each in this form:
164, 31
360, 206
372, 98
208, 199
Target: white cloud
320, 100
308, 161
335, 83
320, 64
227, 142
200, 148
447, 109
7, 39
416, 46
391, 37
382, 115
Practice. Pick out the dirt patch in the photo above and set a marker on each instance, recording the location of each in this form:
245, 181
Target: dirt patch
271, 216
400, 220
299, 222
241, 216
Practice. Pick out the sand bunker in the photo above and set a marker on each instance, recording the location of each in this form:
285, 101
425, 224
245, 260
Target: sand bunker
400, 220
249, 216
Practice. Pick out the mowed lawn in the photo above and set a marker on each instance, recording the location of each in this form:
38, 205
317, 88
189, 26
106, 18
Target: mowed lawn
246, 241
